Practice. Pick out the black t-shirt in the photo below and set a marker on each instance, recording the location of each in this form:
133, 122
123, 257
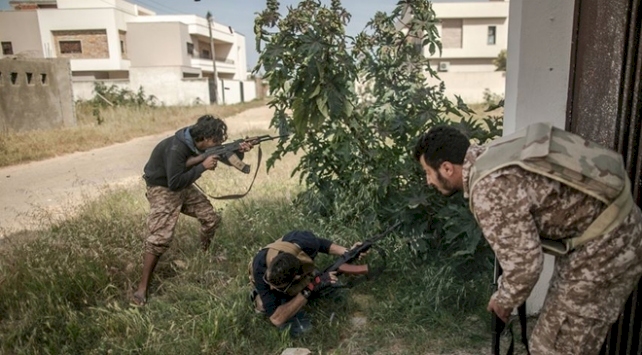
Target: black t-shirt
308, 242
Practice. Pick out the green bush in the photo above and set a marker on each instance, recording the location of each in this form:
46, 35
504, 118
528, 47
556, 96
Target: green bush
355, 107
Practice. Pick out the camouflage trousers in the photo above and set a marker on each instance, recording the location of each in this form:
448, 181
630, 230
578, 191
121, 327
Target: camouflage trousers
165, 206
588, 291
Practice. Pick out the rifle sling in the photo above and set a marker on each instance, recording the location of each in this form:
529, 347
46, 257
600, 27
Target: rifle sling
236, 196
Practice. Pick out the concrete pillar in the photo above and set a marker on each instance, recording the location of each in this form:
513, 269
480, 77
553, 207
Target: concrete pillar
537, 75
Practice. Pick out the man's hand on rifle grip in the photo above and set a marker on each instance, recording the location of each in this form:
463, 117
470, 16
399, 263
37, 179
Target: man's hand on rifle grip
322, 281
210, 162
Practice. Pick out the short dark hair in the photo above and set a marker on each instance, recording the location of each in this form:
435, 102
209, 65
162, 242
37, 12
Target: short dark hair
283, 268
442, 143
208, 126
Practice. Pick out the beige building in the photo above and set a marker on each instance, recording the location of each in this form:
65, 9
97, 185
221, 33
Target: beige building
472, 35
130, 46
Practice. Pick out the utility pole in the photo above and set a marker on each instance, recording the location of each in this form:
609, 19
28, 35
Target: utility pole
215, 86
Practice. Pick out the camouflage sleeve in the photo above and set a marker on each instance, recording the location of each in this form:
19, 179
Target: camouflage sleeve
502, 206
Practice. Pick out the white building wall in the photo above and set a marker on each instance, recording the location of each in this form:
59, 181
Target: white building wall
240, 57
168, 85
475, 39
470, 86
249, 90
84, 90
111, 20
98, 4
20, 28
537, 74
476, 18
232, 93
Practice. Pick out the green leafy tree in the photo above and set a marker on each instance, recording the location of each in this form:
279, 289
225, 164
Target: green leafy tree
355, 106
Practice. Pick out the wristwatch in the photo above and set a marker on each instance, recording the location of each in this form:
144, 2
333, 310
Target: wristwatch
306, 293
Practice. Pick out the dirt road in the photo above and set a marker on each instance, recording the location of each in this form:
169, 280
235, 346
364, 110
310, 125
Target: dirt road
67, 180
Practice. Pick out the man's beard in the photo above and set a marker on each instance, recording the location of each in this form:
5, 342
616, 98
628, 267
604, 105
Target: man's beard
447, 189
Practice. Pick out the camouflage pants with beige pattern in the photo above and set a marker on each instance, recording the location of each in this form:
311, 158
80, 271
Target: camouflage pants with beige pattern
165, 208
588, 291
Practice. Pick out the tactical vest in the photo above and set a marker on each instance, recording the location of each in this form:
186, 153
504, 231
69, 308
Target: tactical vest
570, 159
307, 264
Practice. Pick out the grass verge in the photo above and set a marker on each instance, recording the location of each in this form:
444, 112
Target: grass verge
120, 125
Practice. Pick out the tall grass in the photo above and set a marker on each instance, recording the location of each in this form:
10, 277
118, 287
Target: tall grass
119, 124
65, 290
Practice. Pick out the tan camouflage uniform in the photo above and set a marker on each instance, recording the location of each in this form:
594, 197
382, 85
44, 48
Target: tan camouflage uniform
165, 208
589, 286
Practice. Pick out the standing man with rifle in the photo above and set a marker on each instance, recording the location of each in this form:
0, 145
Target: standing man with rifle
173, 167
546, 190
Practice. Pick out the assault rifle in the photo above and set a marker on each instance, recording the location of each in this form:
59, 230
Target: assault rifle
227, 150
342, 264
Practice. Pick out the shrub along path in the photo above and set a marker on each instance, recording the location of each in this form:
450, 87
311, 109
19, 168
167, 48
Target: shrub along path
30, 189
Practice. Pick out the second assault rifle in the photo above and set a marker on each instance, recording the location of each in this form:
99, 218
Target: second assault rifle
342, 264
227, 151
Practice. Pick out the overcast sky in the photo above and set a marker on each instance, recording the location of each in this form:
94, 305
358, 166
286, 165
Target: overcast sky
240, 14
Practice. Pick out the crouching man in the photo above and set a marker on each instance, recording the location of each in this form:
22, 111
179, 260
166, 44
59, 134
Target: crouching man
284, 278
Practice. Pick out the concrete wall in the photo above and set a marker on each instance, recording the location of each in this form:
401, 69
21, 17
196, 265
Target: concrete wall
471, 86
35, 94
537, 74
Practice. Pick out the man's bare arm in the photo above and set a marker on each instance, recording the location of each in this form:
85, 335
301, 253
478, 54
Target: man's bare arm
286, 311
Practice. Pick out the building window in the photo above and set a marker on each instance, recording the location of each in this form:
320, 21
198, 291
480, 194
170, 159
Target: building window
7, 48
451, 33
492, 34
205, 54
190, 49
122, 47
67, 47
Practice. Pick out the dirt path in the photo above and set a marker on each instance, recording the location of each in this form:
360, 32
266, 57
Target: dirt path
67, 180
